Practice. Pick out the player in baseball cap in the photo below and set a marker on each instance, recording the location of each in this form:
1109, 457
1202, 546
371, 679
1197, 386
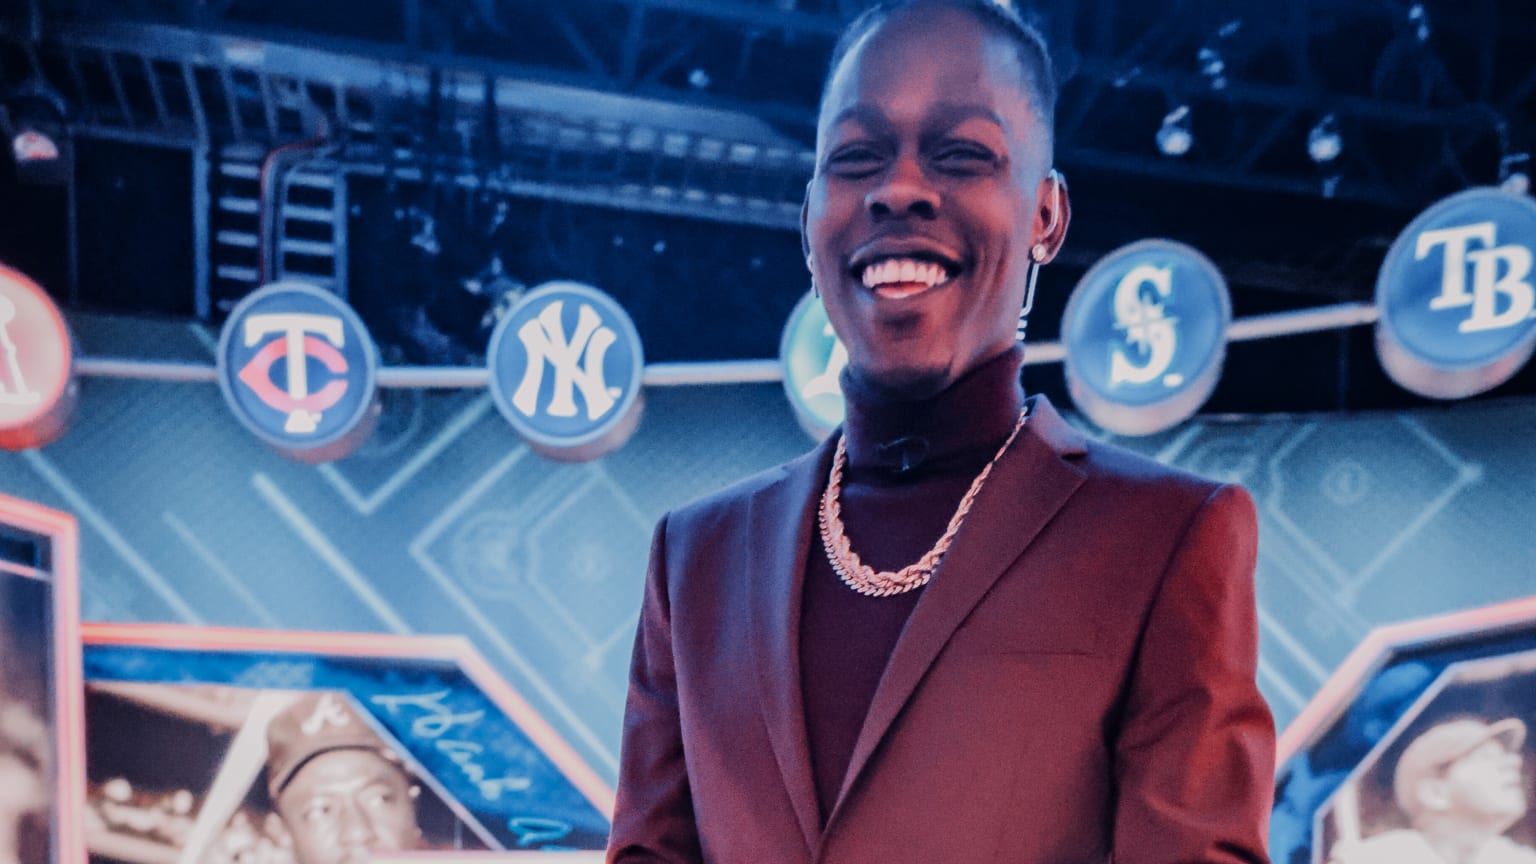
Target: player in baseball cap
338, 788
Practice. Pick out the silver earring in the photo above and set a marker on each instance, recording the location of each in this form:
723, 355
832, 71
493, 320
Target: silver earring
810, 263
1037, 253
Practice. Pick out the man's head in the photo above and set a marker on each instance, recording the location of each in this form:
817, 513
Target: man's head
1465, 773
338, 788
931, 189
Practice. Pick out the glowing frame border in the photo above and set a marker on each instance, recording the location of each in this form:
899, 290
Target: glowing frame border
455, 649
1335, 696
67, 687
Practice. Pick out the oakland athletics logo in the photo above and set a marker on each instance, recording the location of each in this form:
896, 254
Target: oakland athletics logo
565, 371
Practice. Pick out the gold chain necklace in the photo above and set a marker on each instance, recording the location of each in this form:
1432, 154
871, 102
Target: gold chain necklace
860, 576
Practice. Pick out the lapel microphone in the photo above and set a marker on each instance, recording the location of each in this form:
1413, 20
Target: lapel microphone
904, 454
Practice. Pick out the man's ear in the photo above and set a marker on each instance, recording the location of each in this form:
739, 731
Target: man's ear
1053, 211
805, 210
1433, 795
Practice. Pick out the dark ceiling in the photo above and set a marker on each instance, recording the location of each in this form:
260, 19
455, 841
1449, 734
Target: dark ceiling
430, 156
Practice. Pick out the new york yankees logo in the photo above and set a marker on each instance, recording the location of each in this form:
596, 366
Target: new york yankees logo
565, 367
578, 363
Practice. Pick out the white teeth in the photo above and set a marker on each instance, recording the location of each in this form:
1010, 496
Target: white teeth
904, 271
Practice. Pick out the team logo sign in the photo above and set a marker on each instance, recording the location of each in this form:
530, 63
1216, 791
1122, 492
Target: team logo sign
298, 368
565, 371
1145, 334
1455, 296
37, 386
813, 358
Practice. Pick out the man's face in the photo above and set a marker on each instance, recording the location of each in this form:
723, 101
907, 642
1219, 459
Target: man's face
1485, 786
930, 160
343, 804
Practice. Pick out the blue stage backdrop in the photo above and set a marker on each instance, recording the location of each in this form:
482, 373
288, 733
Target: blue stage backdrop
445, 523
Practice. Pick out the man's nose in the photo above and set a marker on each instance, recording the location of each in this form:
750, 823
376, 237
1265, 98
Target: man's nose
356, 827
903, 191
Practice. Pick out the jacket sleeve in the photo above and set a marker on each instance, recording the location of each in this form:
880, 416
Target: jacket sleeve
1196, 747
653, 814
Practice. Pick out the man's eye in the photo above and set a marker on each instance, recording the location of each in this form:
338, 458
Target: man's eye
964, 159
318, 812
854, 161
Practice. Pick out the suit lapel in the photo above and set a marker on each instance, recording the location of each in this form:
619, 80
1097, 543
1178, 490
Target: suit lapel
994, 535
784, 511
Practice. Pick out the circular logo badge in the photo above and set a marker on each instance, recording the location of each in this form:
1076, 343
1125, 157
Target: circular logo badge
37, 385
1145, 333
1455, 297
298, 368
813, 359
565, 371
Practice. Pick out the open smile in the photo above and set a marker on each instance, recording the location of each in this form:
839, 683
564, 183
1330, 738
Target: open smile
893, 273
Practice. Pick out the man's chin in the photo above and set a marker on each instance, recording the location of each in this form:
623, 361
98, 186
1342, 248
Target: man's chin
900, 383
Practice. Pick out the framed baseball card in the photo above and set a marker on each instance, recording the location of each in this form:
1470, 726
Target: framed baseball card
41, 754
1417, 748
211, 746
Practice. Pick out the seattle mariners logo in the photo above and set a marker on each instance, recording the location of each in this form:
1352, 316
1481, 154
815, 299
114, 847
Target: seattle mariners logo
37, 387
813, 359
1457, 306
1145, 336
297, 367
565, 371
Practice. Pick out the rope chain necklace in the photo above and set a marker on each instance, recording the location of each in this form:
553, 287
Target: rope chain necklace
860, 576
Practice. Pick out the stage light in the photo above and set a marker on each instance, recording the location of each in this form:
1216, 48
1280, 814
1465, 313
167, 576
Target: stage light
1175, 137
1324, 144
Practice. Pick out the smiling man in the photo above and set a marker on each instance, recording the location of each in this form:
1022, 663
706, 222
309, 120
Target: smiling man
957, 631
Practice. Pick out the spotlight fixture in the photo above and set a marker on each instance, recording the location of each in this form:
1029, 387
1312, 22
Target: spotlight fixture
1324, 144
1175, 137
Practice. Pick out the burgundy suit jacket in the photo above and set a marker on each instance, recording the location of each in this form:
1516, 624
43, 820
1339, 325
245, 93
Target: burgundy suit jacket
1075, 685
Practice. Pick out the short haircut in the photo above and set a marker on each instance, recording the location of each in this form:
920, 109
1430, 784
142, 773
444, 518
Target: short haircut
997, 17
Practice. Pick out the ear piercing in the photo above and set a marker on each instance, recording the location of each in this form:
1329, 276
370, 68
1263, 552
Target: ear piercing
1037, 253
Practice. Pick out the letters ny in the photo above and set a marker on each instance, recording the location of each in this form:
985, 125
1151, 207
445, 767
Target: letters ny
578, 363
1487, 285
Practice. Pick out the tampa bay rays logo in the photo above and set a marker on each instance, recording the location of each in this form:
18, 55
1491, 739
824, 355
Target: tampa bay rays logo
296, 337
1147, 327
1512, 290
577, 363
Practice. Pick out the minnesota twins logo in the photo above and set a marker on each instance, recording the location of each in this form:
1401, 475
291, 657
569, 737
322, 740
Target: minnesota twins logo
1145, 336
297, 367
297, 343
1455, 295
565, 368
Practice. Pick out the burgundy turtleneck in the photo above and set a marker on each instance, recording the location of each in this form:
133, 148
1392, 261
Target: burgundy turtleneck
893, 515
